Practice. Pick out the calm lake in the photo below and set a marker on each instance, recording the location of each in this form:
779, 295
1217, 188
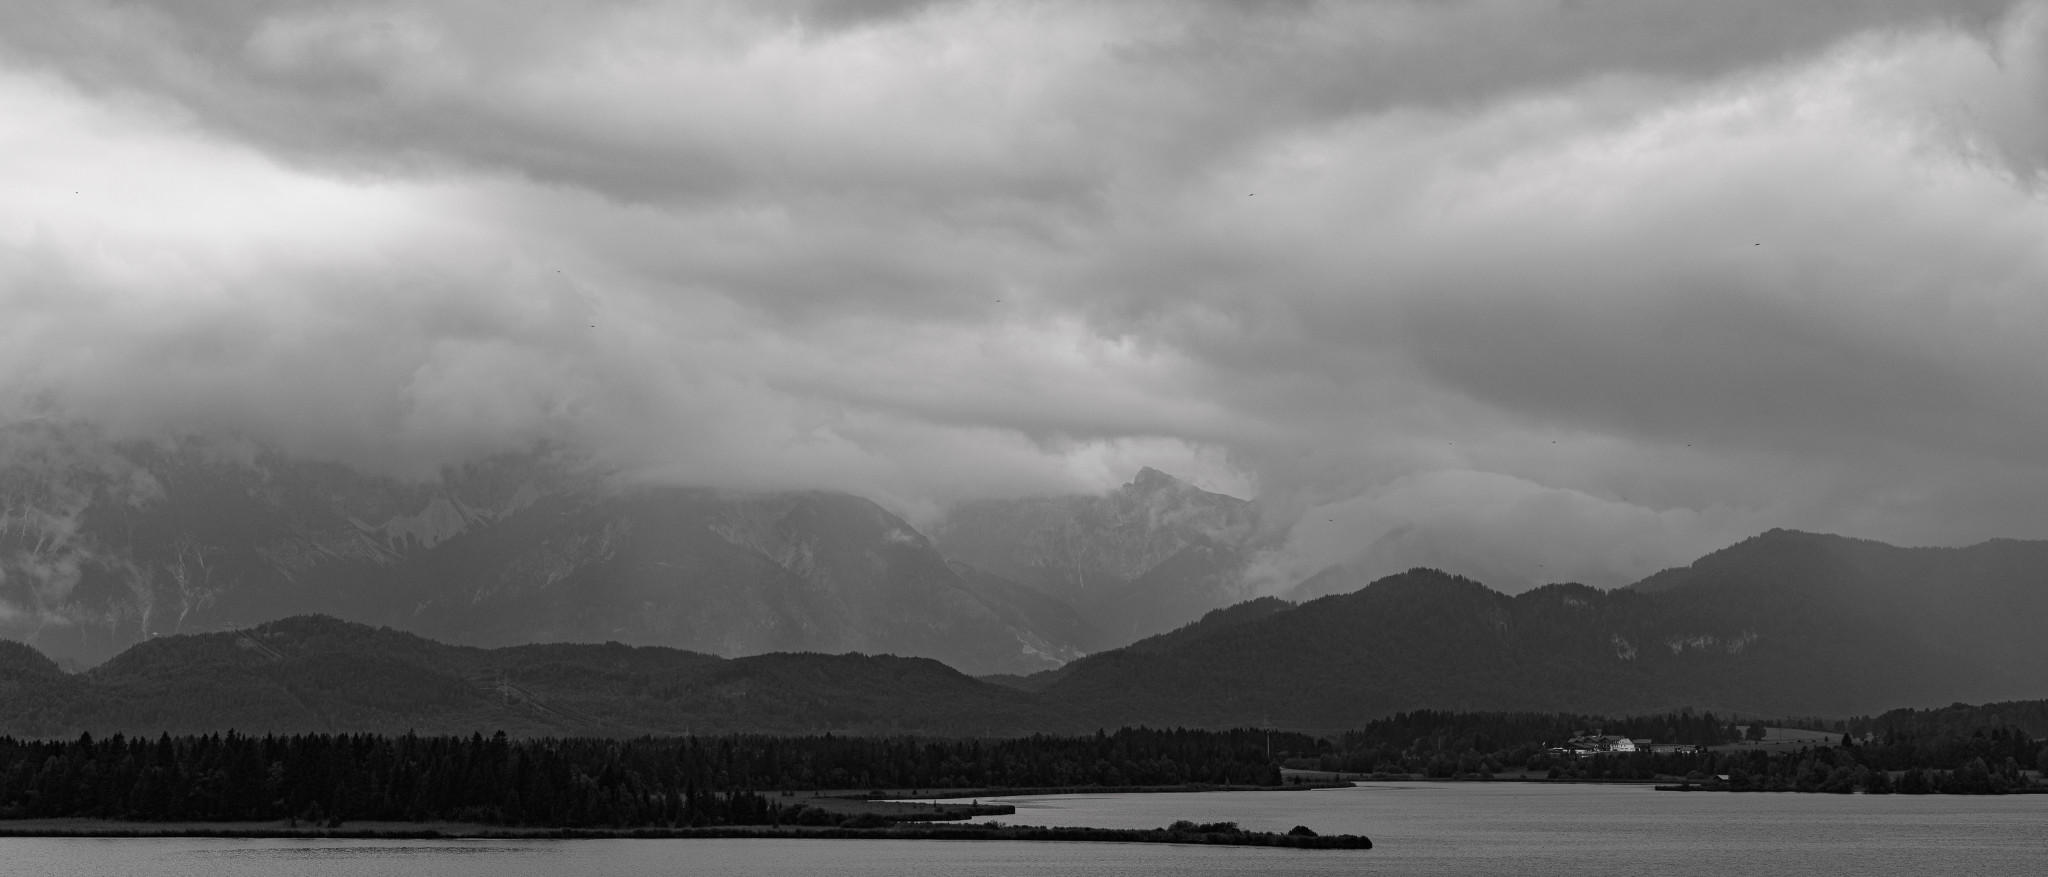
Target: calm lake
1420, 828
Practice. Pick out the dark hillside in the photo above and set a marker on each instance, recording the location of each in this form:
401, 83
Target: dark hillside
1216, 620
316, 674
33, 692
1984, 602
22, 663
1783, 624
2030, 716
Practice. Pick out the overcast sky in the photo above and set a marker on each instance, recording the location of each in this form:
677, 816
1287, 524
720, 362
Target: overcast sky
1535, 290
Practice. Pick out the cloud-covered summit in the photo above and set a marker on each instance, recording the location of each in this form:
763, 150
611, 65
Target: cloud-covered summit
1534, 291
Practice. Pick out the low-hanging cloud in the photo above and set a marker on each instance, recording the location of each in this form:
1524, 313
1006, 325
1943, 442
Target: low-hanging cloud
1532, 291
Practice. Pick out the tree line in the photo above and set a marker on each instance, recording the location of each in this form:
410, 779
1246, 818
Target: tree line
1444, 730
1993, 761
1930, 752
1958, 718
650, 781
735, 779
1875, 770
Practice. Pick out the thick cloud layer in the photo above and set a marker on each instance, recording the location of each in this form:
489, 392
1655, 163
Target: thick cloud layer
1531, 291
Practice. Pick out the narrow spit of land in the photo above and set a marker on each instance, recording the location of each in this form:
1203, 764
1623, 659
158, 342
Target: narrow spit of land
876, 814
1218, 834
1016, 791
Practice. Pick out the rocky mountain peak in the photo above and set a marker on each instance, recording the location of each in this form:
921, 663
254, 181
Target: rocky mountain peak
1150, 480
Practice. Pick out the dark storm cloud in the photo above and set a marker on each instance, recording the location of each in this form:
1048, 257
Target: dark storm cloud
640, 100
1531, 290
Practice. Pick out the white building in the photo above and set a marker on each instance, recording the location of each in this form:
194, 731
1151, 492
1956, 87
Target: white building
1602, 744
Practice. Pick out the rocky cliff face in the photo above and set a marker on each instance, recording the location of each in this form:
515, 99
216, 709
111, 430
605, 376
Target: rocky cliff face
1147, 557
105, 544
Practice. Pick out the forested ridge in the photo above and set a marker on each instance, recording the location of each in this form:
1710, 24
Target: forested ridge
2030, 716
1983, 762
1784, 624
313, 674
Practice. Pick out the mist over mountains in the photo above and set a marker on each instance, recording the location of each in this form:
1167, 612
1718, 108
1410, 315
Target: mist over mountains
1147, 557
1734, 636
105, 545
1082, 611
1786, 623
802, 306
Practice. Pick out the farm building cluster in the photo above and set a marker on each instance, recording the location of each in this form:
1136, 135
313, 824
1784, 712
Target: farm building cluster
1587, 745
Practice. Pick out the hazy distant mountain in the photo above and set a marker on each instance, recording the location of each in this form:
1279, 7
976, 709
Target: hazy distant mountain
1050, 616
1144, 558
320, 674
1341, 578
1785, 624
103, 545
102, 548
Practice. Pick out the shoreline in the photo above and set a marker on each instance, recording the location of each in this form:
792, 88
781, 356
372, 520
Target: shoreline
954, 795
1723, 788
88, 828
1368, 779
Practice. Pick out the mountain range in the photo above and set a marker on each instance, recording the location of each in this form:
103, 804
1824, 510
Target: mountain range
1142, 559
1786, 623
314, 673
1081, 610
104, 545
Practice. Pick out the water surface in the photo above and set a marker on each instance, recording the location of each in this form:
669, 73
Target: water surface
1419, 828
